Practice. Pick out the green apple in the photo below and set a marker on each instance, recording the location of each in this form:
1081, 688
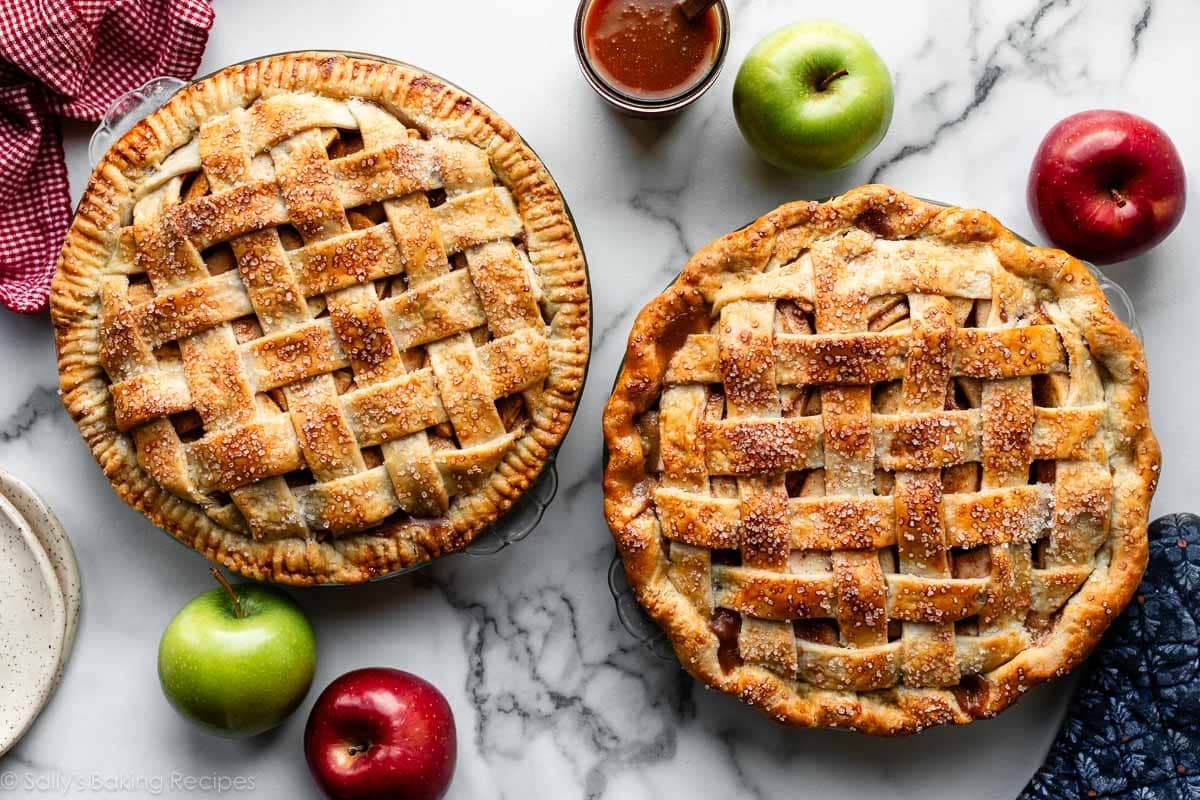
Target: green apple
813, 95
238, 659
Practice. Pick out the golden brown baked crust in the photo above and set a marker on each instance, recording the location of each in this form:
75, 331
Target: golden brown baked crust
873, 525
406, 413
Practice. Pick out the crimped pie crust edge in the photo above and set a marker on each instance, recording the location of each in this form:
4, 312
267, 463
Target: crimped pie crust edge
1134, 456
421, 100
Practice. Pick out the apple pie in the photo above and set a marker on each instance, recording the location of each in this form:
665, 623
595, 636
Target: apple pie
878, 464
322, 317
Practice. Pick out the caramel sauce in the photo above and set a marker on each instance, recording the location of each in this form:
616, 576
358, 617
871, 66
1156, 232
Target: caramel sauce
647, 48
972, 694
726, 625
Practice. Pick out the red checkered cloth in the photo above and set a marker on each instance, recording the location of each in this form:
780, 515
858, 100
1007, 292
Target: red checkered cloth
70, 58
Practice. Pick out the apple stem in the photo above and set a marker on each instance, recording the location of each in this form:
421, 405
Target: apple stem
829, 79
238, 611
1118, 198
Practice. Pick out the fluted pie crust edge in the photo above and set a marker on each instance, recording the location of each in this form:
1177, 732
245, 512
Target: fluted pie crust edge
422, 101
629, 487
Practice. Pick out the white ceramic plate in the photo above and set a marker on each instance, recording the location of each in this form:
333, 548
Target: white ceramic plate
33, 624
54, 541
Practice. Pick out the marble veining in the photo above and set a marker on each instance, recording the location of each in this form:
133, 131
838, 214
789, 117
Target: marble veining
1031, 39
40, 403
552, 697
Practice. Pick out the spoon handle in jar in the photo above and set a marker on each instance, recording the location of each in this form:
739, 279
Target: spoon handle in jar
692, 9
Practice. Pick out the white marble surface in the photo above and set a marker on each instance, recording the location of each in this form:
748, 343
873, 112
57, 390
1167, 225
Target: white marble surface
552, 697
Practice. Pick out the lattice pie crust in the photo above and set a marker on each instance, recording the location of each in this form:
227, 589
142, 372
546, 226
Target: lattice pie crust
878, 464
321, 317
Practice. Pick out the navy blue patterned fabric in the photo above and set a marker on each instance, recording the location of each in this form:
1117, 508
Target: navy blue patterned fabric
1133, 730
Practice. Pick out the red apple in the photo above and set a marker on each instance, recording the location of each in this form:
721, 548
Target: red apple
381, 733
1106, 186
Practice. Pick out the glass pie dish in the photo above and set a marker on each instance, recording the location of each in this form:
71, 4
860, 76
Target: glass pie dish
527, 510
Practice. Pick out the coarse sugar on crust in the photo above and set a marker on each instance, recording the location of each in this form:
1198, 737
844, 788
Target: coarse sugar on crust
321, 317
878, 464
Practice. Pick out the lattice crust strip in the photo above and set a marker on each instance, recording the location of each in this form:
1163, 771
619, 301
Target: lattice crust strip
266, 167
866, 452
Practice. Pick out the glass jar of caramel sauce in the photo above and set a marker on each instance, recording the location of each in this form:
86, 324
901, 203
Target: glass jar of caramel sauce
644, 57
